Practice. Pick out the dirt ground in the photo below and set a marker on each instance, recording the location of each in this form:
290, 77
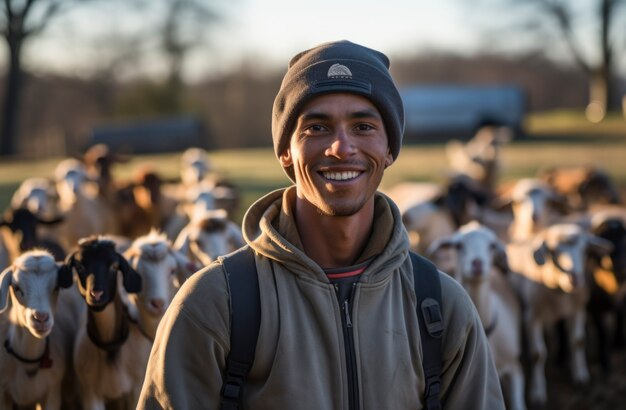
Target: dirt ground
605, 392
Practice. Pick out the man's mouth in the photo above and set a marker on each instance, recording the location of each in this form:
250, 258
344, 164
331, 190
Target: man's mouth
341, 176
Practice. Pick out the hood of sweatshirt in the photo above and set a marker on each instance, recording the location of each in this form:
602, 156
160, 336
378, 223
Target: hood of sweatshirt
269, 228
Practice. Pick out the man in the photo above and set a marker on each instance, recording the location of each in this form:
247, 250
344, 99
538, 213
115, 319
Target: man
339, 326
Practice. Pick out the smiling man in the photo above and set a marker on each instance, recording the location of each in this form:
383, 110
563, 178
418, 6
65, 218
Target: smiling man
339, 321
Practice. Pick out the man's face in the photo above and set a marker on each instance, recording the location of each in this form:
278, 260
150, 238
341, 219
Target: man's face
339, 151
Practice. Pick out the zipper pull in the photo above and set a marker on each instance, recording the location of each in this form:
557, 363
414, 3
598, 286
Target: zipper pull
346, 311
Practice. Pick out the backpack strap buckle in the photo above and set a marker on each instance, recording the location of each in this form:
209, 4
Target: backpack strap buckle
433, 319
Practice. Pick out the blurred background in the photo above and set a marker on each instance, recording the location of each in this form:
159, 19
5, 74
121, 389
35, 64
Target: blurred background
205, 72
101, 101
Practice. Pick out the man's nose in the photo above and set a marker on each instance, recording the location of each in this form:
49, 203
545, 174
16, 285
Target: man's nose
342, 145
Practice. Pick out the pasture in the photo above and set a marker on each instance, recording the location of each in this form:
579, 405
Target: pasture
559, 140
556, 140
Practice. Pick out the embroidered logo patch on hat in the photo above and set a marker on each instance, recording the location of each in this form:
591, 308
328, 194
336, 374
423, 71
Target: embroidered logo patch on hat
339, 71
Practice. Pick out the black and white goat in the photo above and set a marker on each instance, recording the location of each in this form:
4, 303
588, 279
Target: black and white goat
109, 350
22, 224
550, 274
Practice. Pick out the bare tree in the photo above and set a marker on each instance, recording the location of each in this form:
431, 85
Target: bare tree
21, 20
184, 28
594, 39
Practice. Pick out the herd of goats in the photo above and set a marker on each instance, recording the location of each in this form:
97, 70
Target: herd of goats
90, 264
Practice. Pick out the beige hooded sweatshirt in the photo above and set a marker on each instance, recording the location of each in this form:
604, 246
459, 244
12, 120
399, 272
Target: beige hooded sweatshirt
300, 358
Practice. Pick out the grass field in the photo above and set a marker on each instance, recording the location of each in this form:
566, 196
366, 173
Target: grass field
560, 140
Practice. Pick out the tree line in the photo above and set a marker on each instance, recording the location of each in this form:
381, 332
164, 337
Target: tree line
60, 112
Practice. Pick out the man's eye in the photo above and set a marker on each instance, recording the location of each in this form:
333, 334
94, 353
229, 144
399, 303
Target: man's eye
314, 128
364, 127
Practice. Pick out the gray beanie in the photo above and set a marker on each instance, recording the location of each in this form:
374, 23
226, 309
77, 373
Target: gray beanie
336, 67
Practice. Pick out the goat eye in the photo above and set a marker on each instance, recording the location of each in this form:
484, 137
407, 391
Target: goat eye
115, 267
458, 246
18, 290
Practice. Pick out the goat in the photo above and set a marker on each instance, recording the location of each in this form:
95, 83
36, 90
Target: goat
478, 251
535, 206
163, 270
480, 157
583, 186
194, 166
99, 161
550, 275
23, 225
208, 236
431, 212
143, 203
85, 215
33, 361
37, 195
608, 285
110, 352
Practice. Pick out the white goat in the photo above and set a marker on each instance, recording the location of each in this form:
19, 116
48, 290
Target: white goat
550, 275
34, 359
85, 215
478, 251
163, 270
194, 166
208, 236
424, 220
535, 206
38, 195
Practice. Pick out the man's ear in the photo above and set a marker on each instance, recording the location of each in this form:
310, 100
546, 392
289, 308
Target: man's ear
285, 158
389, 159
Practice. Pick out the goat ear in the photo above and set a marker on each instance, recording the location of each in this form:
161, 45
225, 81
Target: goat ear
598, 245
184, 267
500, 259
440, 244
5, 282
182, 242
132, 280
65, 277
539, 254
440, 200
69, 260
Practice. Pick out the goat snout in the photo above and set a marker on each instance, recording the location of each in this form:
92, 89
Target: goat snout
40, 317
96, 294
158, 305
477, 267
41, 323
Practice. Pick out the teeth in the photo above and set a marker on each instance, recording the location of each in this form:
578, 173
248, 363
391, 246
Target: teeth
341, 176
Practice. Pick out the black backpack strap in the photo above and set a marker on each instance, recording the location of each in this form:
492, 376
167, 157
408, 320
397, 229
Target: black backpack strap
428, 291
245, 304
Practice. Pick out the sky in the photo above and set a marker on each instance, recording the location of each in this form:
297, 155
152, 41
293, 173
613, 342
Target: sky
267, 33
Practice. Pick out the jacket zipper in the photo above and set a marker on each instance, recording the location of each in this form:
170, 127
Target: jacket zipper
348, 336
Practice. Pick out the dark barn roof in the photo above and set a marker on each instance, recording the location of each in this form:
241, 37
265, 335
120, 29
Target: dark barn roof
157, 136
